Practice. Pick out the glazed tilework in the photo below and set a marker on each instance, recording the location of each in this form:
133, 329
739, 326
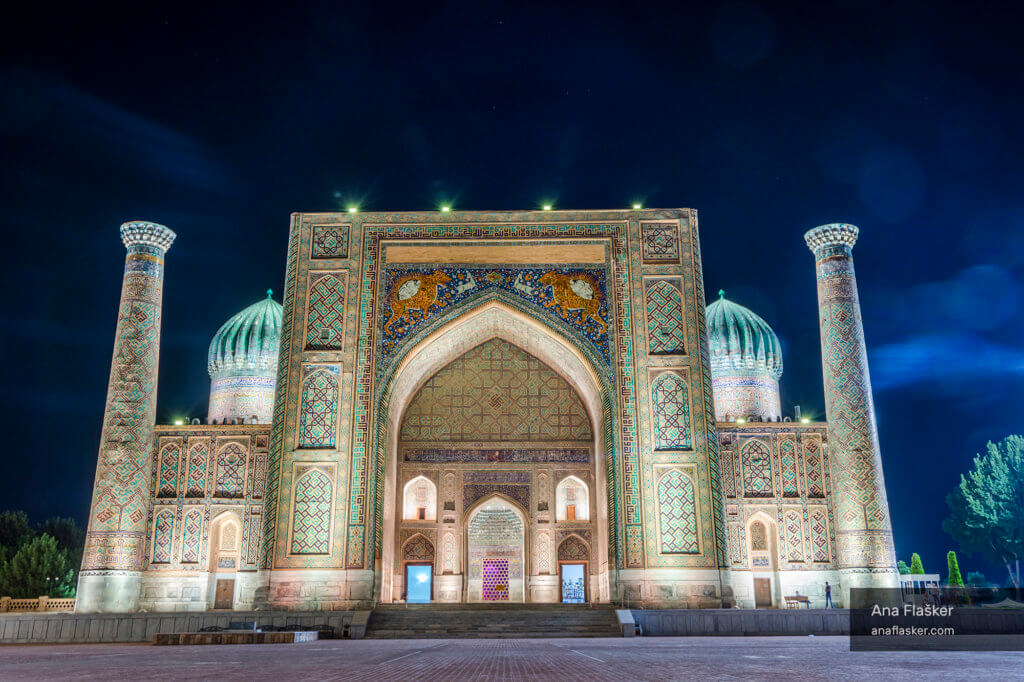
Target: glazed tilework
677, 513
329, 241
311, 515
861, 507
522, 456
666, 333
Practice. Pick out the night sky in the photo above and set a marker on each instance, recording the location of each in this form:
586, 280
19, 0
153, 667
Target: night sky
902, 119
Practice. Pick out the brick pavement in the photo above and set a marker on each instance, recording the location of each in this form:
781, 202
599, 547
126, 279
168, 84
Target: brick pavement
648, 658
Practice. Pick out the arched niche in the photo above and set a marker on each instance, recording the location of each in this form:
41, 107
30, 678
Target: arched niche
472, 327
419, 500
572, 500
497, 551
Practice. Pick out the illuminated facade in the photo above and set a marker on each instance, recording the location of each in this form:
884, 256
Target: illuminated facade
497, 406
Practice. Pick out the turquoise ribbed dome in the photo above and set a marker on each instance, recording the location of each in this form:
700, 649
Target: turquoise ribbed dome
249, 340
741, 341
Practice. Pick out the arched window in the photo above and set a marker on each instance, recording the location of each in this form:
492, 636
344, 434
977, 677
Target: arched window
192, 537
318, 411
167, 480
670, 398
572, 500
311, 518
665, 332
419, 500
677, 513
757, 469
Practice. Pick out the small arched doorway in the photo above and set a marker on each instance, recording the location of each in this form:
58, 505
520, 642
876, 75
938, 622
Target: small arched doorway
762, 548
418, 570
573, 570
496, 552
225, 554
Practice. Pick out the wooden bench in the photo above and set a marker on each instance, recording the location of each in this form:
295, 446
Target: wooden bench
796, 600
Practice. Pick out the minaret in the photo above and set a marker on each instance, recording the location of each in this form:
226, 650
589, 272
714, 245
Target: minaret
116, 540
864, 547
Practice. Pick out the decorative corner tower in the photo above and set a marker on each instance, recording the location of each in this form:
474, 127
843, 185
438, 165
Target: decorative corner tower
864, 545
116, 539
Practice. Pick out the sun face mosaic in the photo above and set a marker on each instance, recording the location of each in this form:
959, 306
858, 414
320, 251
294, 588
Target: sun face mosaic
577, 297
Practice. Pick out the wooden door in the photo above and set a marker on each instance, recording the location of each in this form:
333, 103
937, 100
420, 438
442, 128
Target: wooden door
225, 596
762, 593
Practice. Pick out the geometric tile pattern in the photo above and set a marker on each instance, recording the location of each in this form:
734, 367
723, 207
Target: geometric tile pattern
318, 412
794, 535
496, 392
665, 332
677, 513
728, 457
660, 242
325, 314
418, 549
671, 400
329, 241
812, 468
311, 519
253, 530
757, 469
196, 485
861, 509
230, 471
167, 480
573, 549
787, 464
163, 537
819, 536
192, 537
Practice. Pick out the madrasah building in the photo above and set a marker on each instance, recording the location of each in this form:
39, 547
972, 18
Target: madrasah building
482, 407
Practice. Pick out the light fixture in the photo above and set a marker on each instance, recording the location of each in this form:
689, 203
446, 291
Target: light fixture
637, 207
805, 420
741, 420
353, 209
547, 207
179, 422
445, 209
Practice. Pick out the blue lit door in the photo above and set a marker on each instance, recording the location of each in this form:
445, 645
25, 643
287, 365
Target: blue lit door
417, 583
574, 577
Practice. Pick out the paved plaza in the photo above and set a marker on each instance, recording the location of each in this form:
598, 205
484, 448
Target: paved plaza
677, 658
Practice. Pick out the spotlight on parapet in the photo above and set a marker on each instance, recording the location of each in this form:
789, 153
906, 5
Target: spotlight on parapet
741, 420
445, 209
805, 420
637, 207
547, 207
353, 209
179, 422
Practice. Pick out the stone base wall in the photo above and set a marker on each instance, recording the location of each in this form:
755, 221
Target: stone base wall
809, 584
691, 588
140, 627
318, 589
739, 622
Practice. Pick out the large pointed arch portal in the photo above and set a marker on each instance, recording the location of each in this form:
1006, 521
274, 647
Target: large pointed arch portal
494, 319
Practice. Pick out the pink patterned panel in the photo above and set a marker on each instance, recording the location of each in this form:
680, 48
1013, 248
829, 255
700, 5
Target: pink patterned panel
495, 579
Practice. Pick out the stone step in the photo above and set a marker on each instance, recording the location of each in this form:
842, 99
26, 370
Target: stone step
486, 620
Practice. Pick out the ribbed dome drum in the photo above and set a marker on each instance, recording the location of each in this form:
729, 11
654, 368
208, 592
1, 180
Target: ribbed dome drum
746, 362
243, 364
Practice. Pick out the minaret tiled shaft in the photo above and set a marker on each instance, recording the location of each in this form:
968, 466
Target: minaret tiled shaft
864, 545
116, 538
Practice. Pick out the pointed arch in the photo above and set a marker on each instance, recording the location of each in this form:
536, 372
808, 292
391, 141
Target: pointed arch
418, 548
756, 461
167, 467
469, 327
163, 537
677, 513
670, 399
573, 548
230, 476
572, 500
419, 500
225, 542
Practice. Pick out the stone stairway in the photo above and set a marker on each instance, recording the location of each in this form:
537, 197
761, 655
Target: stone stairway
427, 621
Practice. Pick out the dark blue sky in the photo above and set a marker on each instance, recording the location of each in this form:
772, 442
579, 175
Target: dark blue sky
903, 118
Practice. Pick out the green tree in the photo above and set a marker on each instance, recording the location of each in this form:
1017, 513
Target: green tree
987, 508
954, 578
69, 536
976, 579
15, 530
38, 568
916, 567
902, 567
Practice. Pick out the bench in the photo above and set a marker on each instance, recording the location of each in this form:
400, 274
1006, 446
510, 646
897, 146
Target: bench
796, 600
